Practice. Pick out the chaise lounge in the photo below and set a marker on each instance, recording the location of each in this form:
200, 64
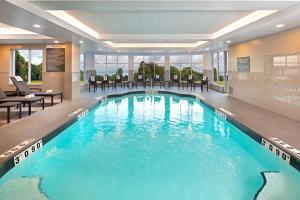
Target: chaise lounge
24, 89
21, 99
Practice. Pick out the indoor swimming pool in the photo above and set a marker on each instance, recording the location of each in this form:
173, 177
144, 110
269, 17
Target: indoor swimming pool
145, 147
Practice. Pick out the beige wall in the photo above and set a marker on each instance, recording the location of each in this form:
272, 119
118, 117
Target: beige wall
58, 81
268, 86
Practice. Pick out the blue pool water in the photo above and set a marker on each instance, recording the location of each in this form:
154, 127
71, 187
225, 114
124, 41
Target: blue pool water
143, 147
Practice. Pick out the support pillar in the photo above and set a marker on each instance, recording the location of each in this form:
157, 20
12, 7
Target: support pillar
167, 68
89, 64
72, 71
130, 68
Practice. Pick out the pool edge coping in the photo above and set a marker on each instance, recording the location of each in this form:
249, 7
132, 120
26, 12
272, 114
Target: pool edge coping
8, 163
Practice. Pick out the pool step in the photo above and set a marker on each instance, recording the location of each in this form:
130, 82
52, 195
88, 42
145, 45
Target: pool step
22, 188
273, 188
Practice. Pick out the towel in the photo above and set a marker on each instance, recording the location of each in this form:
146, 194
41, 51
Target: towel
18, 78
29, 96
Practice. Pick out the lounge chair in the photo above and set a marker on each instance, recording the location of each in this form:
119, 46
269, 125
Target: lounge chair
22, 99
24, 89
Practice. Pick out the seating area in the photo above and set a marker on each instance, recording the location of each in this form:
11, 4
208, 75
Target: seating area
24, 96
93, 84
140, 99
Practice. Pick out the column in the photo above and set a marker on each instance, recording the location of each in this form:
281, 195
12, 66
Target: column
207, 66
89, 66
130, 68
72, 71
167, 68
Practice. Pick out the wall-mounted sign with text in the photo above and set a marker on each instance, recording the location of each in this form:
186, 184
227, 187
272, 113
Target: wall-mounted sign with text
243, 64
55, 58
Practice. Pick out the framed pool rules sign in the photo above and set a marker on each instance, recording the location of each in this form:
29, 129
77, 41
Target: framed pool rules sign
55, 58
243, 64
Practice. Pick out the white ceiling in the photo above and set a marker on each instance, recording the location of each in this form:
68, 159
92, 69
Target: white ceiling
156, 21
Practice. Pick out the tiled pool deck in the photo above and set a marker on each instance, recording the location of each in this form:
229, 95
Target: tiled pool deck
40, 124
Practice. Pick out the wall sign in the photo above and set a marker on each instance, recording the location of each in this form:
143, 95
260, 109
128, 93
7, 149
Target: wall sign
27, 152
55, 58
243, 64
277, 151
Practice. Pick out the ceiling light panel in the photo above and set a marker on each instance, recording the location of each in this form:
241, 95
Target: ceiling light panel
74, 22
252, 17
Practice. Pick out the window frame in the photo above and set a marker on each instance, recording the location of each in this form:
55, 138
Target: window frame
13, 63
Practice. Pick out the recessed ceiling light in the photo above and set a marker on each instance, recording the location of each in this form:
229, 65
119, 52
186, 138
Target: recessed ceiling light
56, 41
100, 49
80, 41
279, 25
228, 41
36, 25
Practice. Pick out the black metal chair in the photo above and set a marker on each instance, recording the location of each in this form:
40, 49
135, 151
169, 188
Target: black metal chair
204, 82
190, 82
104, 82
157, 79
174, 79
92, 83
118, 81
140, 79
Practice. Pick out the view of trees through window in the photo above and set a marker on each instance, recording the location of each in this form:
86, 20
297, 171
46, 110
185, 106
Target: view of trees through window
111, 65
149, 66
219, 67
185, 65
82, 68
28, 64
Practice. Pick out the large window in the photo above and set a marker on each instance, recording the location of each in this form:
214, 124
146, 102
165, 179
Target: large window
82, 68
28, 64
149, 66
111, 65
219, 59
185, 65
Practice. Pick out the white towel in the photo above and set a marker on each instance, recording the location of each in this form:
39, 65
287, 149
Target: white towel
29, 96
18, 78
